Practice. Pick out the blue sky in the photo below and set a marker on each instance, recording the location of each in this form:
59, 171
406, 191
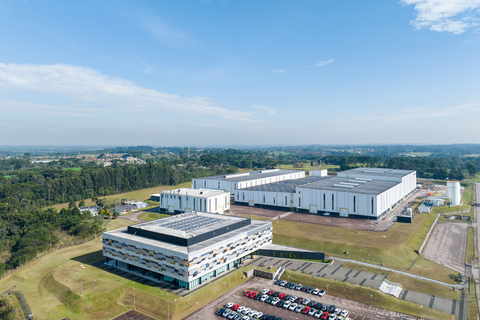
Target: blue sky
239, 72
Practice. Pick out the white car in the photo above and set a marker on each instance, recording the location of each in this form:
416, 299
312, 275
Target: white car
226, 313
305, 301
337, 311
318, 314
264, 291
246, 310
240, 309
283, 283
344, 313
316, 291
252, 313
321, 293
246, 318
339, 318
287, 304
263, 298
299, 308
291, 308
311, 312
293, 298
332, 317
258, 315
275, 301
229, 305
231, 315
299, 286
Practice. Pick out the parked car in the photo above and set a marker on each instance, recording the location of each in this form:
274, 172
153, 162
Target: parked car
235, 307
311, 304
232, 315
299, 300
252, 313
269, 299
318, 306
280, 303
281, 295
337, 311
318, 314
229, 305
276, 294
283, 283
324, 316
246, 311
303, 289
220, 311
247, 293
287, 304
310, 290
252, 294
270, 292
246, 318
293, 285
312, 312
344, 313
226, 313
299, 308
263, 298
274, 301
258, 296
241, 309
238, 316
292, 306
258, 315
288, 284
331, 308
332, 317
305, 310
315, 292
321, 293
299, 286
264, 291
265, 317
277, 282
305, 301
293, 298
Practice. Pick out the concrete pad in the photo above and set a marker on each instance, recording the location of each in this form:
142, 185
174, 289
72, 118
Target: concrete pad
443, 304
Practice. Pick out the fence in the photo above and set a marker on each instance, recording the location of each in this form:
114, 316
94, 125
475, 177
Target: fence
41, 254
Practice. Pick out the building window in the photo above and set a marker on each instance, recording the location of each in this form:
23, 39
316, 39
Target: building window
180, 203
333, 202
354, 203
372, 205
286, 201
238, 196
273, 200
205, 184
244, 196
200, 204
194, 184
219, 185
299, 202
324, 201
194, 204
263, 198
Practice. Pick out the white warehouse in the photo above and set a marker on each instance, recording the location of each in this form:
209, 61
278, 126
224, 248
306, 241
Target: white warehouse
234, 182
186, 200
353, 193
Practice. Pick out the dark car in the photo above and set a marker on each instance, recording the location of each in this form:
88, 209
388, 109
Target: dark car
258, 296
220, 311
311, 304
271, 292
293, 285
265, 317
276, 294
331, 308
318, 306
278, 318
310, 290
280, 303
299, 300
304, 289
269, 299
272, 318
324, 308
277, 282
288, 285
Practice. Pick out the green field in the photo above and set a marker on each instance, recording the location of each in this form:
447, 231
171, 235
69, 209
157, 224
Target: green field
150, 216
73, 169
140, 195
393, 247
470, 251
307, 167
362, 294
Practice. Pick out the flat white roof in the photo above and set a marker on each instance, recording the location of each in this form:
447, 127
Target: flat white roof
198, 193
253, 175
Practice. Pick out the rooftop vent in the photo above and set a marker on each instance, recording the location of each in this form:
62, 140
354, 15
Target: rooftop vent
270, 170
343, 186
358, 181
237, 175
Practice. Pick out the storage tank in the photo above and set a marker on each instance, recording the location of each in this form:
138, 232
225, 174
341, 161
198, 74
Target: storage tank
453, 192
409, 212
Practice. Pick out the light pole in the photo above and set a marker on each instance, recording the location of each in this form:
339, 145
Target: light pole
371, 306
134, 306
197, 308
327, 289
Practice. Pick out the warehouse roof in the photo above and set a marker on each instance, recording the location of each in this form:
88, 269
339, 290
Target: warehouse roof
353, 185
246, 176
385, 172
286, 185
198, 193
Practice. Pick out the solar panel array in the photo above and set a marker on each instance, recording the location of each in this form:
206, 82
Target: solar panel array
190, 223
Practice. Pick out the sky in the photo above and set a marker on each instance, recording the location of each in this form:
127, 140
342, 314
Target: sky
233, 72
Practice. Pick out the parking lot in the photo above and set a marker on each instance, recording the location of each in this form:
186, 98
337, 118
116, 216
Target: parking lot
358, 311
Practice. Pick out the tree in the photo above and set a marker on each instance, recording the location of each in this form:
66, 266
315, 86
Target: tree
472, 168
115, 214
81, 203
107, 212
72, 205
298, 165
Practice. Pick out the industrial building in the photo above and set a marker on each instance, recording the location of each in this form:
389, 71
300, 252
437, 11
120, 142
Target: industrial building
361, 193
186, 249
238, 181
186, 200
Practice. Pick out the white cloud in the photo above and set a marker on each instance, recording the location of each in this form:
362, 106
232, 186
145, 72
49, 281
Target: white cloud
265, 108
454, 16
278, 70
105, 93
321, 63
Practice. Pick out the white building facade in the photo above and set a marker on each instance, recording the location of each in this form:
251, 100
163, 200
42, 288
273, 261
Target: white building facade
238, 181
186, 249
186, 200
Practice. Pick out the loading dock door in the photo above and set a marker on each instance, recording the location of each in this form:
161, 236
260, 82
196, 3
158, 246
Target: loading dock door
313, 208
344, 212
171, 209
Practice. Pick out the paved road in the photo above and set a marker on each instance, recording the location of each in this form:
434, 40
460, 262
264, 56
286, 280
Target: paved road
476, 272
133, 217
447, 245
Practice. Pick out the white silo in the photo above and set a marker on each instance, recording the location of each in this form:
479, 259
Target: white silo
453, 192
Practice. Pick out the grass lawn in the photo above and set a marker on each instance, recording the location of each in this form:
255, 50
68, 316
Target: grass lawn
466, 198
54, 285
73, 169
470, 252
393, 247
140, 195
149, 216
362, 294
254, 217
424, 286
307, 167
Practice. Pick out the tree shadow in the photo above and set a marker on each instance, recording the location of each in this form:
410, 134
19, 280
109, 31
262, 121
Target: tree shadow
457, 277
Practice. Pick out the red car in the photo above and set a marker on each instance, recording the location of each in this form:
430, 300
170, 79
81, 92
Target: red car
324, 316
281, 295
246, 294
305, 310
252, 294
271, 292
235, 307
